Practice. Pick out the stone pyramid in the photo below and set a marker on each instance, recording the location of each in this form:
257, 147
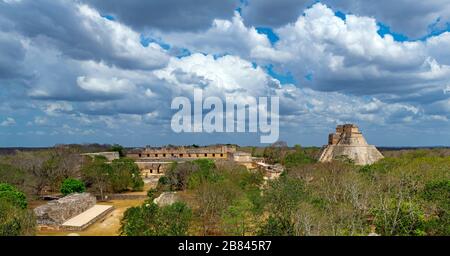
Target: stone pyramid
348, 141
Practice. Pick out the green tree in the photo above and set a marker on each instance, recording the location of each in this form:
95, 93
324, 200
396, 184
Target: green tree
190, 174
13, 175
174, 219
15, 221
276, 152
437, 195
121, 175
151, 194
140, 220
437, 191
71, 185
10, 194
277, 226
213, 199
205, 172
175, 177
15, 218
96, 172
152, 220
283, 196
237, 217
125, 175
296, 158
396, 217
118, 148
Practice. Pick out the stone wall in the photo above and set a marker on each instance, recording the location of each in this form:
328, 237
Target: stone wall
166, 198
242, 157
56, 212
109, 155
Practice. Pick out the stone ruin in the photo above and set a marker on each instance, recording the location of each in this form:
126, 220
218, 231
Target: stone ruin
56, 212
349, 142
166, 198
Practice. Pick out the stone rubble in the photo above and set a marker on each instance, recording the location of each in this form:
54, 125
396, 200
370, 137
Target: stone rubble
166, 198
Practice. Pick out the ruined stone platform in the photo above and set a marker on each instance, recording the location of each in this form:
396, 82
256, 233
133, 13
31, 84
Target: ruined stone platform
73, 212
86, 218
56, 212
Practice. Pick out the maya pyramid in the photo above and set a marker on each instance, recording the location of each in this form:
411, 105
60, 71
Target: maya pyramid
349, 142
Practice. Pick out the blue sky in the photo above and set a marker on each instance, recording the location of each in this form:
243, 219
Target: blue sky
85, 71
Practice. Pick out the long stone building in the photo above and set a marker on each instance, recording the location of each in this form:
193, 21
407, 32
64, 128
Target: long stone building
155, 160
174, 153
349, 142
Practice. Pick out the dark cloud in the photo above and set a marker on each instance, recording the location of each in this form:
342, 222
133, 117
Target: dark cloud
79, 33
263, 13
413, 18
12, 55
167, 14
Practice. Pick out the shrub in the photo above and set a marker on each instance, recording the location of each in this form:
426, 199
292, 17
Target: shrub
71, 185
437, 194
163, 180
283, 196
139, 220
15, 221
213, 198
151, 193
382, 166
10, 194
236, 217
152, 220
297, 158
121, 175
190, 174
178, 175
399, 218
437, 191
164, 184
96, 174
118, 148
125, 175
206, 173
13, 175
276, 226
174, 219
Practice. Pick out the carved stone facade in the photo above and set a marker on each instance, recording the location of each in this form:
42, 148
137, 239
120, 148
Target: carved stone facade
149, 168
349, 142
